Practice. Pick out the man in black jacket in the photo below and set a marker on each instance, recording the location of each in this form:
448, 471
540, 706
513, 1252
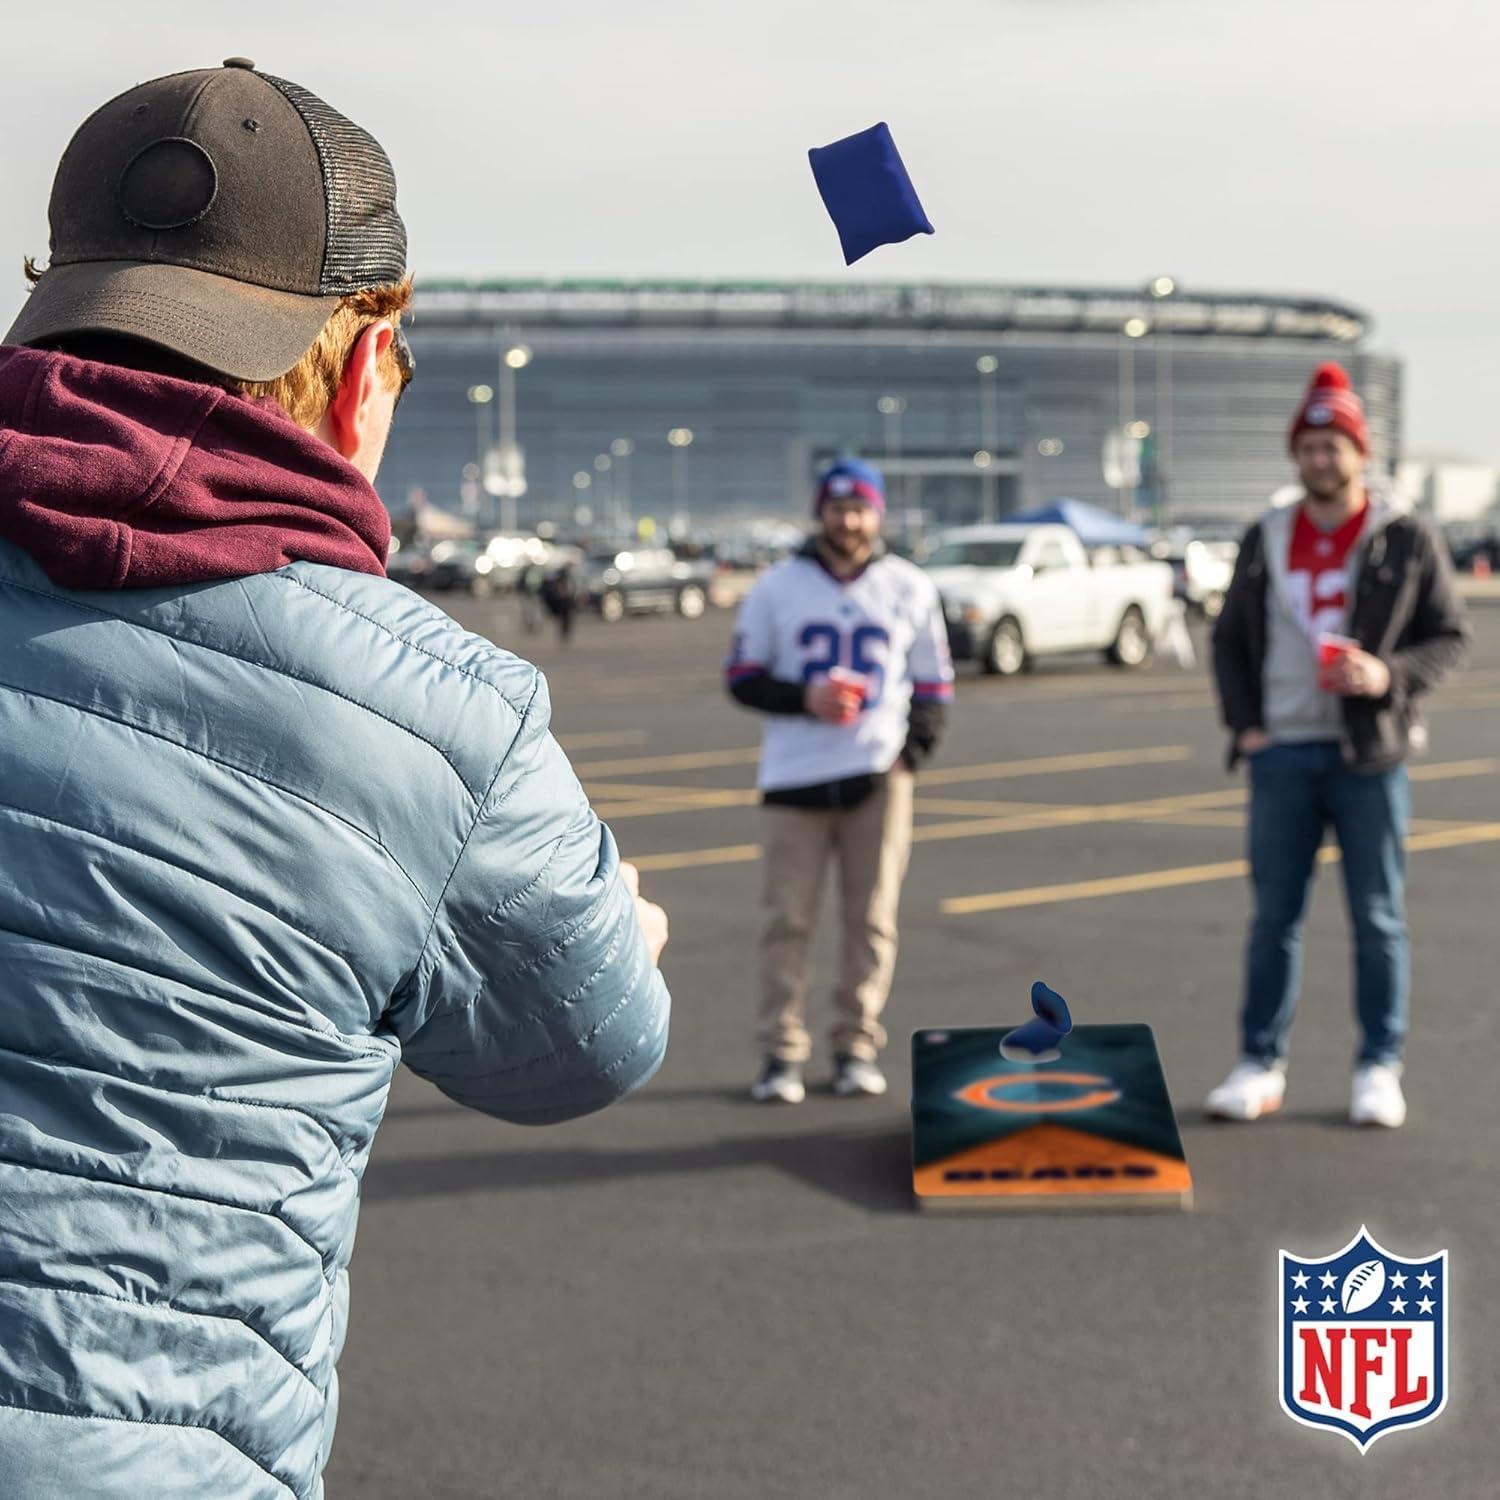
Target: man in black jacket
1341, 614
843, 648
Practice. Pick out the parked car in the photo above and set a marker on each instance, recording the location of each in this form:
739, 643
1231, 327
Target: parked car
511, 555
645, 580
1475, 552
409, 563
1012, 594
1201, 572
464, 565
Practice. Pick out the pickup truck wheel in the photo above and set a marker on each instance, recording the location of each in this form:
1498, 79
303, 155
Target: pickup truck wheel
1005, 655
1132, 645
612, 606
691, 602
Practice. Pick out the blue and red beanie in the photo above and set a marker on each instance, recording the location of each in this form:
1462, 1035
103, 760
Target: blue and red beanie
851, 479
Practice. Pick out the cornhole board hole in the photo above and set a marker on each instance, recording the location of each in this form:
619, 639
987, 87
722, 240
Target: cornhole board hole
1093, 1128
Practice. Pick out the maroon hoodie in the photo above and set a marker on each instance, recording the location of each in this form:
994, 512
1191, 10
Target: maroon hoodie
113, 478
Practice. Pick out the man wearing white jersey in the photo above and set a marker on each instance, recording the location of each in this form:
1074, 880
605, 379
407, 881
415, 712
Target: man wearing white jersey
844, 650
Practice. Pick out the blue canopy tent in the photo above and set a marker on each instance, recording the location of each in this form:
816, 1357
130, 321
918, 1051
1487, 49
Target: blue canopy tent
1095, 527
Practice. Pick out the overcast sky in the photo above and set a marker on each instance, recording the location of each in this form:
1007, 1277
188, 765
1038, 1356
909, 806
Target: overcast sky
1344, 148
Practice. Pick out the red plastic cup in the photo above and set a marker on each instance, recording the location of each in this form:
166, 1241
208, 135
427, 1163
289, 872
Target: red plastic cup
853, 684
1332, 648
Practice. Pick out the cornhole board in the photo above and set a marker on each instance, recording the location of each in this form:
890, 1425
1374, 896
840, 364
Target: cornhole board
1092, 1129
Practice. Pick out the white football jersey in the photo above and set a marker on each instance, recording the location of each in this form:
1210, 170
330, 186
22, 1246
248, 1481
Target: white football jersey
799, 621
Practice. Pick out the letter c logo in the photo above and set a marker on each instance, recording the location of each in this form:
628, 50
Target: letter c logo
986, 1093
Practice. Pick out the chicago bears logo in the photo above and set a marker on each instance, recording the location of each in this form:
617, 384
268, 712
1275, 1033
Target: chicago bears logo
1364, 1339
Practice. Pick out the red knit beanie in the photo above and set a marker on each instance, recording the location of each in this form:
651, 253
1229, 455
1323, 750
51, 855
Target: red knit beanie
1330, 402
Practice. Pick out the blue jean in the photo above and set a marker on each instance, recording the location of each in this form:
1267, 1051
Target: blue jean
1296, 791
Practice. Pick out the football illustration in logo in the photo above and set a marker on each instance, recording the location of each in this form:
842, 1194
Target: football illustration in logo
1363, 1286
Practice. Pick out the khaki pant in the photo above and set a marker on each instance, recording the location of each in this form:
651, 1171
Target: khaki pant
871, 845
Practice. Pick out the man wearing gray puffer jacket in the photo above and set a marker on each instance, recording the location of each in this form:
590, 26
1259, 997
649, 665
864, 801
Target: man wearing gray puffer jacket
269, 823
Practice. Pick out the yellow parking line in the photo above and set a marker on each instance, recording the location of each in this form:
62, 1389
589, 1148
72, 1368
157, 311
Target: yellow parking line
603, 740
647, 791
621, 799
1032, 817
1076, 815
1196, 819
940, 776
732, 854
967, 827
1052, 765
693, 761
1453, 838
1096, 685
1449, 770
980, 807
654, 807
1156, 880
1084, 890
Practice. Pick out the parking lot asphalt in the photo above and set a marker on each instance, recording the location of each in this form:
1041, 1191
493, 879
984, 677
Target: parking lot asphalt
690, 1295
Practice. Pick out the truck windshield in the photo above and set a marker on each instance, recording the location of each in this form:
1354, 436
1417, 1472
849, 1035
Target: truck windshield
971, 554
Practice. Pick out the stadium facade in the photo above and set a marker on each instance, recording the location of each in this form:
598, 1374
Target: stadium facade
709, 400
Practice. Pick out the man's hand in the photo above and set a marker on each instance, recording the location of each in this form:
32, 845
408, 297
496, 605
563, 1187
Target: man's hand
1252, 741
652, 918
1357, 674
831, 701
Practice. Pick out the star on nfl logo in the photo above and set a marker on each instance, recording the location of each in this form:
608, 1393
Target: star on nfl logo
1364, 1339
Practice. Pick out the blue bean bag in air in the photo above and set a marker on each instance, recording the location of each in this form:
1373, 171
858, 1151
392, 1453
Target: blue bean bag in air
868, 195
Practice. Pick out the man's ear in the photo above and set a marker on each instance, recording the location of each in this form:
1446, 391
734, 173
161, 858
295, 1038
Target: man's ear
349, 414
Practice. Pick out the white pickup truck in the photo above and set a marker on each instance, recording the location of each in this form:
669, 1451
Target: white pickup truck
1015, 593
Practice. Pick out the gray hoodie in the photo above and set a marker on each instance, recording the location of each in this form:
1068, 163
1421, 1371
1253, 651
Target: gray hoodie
1297, 710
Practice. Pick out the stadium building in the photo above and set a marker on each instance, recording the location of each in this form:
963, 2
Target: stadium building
612, 401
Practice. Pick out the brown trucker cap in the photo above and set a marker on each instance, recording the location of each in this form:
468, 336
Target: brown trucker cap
220, 214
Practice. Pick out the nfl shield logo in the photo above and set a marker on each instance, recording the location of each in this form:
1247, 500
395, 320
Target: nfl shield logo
1364, 1339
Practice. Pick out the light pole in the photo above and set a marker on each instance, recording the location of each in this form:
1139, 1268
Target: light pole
480, 397
468, 490
989, 423
1135, 328
514, 357
984, 462
607, 503
1161, 288
681, 439
583, 515
620, 450
891, 407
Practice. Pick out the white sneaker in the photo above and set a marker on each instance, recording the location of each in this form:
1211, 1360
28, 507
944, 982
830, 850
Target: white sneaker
857, 1075
1253, 1089
1377, 1098
780, 1082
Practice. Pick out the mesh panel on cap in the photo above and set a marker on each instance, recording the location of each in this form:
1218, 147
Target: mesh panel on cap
366, 238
